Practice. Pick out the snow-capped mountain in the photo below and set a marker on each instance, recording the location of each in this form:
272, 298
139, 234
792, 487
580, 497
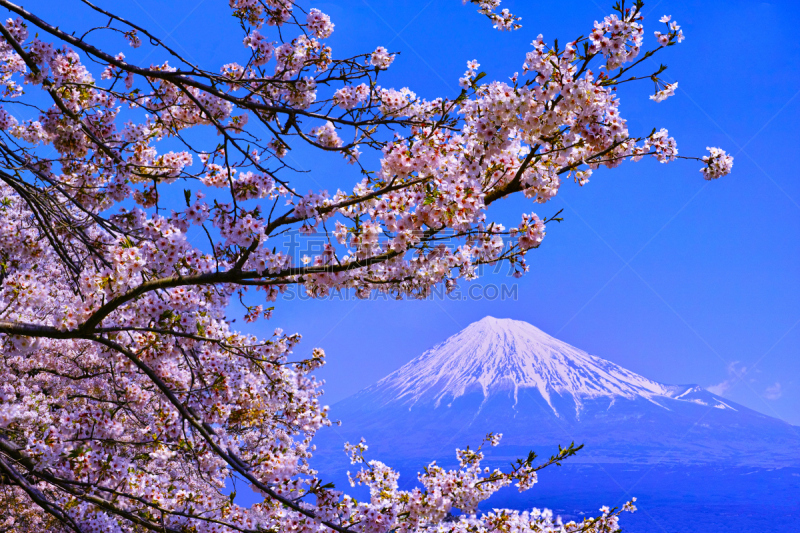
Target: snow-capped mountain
495, 355
508, 376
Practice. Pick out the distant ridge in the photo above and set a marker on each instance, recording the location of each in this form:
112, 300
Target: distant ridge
508, 376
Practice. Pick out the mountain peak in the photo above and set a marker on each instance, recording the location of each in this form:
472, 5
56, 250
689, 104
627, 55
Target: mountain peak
501, 323
502, 354
509, 327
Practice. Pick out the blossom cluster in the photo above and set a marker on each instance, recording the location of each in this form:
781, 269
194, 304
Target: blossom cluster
718, 164
502, 21
666, 92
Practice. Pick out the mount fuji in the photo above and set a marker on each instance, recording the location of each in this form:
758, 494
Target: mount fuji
507, 376
698, 462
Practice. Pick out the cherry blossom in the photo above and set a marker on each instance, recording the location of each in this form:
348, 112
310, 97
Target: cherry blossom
666, 92
144, 208
719, 164
381, 58
502, 21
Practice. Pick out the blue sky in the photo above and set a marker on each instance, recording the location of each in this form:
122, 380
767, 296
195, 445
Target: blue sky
675, 278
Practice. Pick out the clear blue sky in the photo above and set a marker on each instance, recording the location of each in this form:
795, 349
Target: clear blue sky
678, 279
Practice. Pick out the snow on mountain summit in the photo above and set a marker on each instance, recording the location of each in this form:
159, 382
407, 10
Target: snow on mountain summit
494, 355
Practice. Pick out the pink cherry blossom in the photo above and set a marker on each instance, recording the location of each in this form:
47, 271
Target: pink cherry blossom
140, 206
